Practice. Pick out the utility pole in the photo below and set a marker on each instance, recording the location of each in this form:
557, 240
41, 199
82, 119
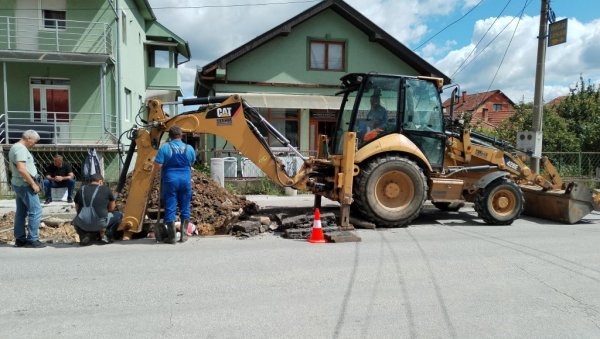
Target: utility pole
538, 99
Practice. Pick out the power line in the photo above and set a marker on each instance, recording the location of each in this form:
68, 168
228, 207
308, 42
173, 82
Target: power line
447, 26
528, 2
202, 6
237, 5
509, 43
482, 37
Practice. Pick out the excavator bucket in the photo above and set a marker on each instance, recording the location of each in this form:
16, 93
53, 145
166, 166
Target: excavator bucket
566, 206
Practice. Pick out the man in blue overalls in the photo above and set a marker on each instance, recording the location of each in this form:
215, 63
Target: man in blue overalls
175, 160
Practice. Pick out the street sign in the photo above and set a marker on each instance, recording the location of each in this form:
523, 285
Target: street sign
557, 33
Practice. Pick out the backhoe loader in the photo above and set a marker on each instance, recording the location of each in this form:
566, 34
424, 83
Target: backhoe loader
382, 169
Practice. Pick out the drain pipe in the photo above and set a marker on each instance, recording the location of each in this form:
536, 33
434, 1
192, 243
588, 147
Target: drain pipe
115, 7
103, 101
5, 93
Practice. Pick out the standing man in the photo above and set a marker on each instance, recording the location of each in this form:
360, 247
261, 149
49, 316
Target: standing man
175, 160
22, 167
103, 223
59, 174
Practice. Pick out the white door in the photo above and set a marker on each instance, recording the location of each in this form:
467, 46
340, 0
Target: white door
50, 104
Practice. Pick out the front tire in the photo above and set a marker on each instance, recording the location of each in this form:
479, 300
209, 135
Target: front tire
500, 203
390, 191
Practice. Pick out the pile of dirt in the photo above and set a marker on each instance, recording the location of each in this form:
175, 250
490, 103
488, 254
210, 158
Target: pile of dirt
213, 211
54, 230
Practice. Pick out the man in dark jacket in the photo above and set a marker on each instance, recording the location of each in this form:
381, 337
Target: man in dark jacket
102, 200
59, 174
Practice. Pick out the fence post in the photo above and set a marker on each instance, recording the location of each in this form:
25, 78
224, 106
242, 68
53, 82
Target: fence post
105, 37
8, 31
579, 161
56, 34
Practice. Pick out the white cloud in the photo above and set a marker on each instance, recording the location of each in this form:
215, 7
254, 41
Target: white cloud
408, 21
212, 32
516, 77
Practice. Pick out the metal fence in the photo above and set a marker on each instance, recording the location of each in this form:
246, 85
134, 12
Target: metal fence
53, 35
580, 166
245, 168
570, 165
87, 128
74, 155
575, 164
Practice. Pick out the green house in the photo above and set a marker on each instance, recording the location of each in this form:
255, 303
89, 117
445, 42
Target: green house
291, 72
79, 71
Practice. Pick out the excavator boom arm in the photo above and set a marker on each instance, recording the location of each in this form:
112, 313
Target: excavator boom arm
229, 118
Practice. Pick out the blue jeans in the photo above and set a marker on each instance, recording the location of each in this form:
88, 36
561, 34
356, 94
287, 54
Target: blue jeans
70, 184
28, 206
114, 219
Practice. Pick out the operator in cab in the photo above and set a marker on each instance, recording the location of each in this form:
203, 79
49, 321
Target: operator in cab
174, 160
376, 118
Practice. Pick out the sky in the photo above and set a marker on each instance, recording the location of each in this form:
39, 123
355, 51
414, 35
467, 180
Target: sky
480, 44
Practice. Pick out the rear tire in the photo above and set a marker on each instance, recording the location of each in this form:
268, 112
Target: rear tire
390, 191
500, 203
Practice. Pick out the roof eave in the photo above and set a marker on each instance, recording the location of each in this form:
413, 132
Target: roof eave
375, 33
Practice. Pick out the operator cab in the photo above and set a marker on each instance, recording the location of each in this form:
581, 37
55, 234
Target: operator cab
377, 105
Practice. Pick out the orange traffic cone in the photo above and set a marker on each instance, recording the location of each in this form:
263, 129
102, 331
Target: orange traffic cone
316, 235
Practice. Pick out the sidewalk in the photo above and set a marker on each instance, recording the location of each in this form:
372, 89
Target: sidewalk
65, 210
61, 209
300, 200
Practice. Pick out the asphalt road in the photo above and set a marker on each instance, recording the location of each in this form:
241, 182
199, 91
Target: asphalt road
447, 275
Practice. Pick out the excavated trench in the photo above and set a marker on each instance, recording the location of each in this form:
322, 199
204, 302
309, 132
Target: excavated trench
215, 211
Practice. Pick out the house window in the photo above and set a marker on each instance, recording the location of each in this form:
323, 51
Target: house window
327, 55
54, 19
497, 107
284, 120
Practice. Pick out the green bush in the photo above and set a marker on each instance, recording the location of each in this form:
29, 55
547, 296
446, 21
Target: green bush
262, 185
203, 168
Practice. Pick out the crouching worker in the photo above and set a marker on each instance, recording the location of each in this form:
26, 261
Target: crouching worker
96, 216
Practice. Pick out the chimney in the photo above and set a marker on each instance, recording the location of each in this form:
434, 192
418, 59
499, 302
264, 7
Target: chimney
464, 96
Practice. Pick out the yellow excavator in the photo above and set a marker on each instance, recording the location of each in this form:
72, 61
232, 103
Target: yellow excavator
392, 150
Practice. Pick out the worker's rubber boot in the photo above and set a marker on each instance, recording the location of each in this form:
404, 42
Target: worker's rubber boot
160, 232
183, 231
171, 233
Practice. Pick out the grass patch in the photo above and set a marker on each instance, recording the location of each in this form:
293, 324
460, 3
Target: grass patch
261, 185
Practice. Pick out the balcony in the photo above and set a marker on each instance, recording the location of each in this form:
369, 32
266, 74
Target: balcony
59, 128
163, 78
40, 39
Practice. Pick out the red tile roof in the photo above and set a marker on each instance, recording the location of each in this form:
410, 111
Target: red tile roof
471, 102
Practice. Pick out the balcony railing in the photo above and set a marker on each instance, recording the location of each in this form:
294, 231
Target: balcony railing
74, 128
163, 78
52, 35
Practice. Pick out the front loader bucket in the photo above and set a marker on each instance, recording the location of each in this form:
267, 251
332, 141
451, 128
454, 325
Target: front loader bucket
566, 206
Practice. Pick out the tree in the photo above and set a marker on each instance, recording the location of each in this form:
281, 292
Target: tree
581, 109
556, 137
